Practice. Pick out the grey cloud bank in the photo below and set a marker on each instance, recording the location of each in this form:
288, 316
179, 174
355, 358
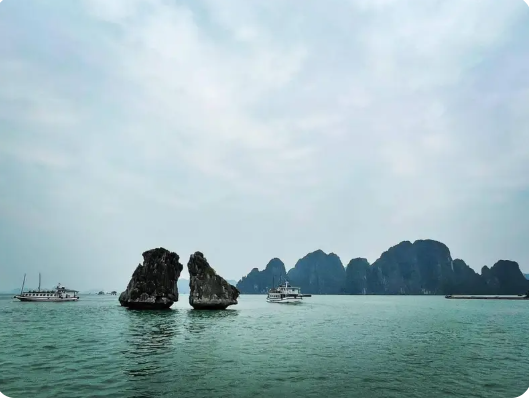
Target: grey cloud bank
253, 130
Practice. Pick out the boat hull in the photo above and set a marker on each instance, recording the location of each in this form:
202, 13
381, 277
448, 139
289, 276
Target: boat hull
284, 301
46, 299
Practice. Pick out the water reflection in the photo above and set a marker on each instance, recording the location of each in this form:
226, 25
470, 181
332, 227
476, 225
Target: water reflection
149, 337
198, 321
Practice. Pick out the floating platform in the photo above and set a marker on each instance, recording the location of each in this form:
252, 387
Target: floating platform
521, 297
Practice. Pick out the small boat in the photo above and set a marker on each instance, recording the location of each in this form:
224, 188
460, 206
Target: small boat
285, 293
58, 294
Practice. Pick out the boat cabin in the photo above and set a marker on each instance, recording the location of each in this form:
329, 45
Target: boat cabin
60, 292
284, 291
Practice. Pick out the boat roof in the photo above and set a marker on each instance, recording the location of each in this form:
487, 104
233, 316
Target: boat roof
51, 290
69, 290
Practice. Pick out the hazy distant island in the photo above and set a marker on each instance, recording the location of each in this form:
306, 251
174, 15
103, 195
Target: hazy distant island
421, 267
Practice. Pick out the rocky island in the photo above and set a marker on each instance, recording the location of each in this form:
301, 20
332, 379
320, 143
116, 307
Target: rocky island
208, 291
421, 267
154, 283
260, 281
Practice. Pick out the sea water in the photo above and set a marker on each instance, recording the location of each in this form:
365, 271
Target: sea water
329, 346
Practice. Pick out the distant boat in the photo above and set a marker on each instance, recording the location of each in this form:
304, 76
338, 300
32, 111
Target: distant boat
58, 294
285, 293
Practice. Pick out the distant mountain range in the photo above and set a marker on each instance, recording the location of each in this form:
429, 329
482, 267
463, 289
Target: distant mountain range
421, 267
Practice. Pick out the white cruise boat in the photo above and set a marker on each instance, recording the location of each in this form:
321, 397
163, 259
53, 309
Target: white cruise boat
285, 293
58, 294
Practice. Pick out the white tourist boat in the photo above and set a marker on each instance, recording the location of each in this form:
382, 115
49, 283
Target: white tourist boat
58, 294
285, 293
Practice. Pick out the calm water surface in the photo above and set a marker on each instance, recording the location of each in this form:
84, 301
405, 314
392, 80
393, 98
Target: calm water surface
331, 346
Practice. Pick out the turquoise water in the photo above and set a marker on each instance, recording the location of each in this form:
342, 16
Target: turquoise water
331, 346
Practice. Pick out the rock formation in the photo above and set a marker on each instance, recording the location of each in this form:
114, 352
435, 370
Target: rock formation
505, 277
154, 284
257, 282
427, 267
318, 273
421, 267
466, 280
209, 291
356, 276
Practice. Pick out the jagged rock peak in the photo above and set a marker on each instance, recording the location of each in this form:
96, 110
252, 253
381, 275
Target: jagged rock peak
259, 282
358, 261
505, 277
207, 289
507, 265
318, 252
431, 242
154, 283
356, 276
318, 273
274, 263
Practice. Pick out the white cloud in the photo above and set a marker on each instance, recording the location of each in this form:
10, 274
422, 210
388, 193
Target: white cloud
353, 125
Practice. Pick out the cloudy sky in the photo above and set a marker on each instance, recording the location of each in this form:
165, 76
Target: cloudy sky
257, 129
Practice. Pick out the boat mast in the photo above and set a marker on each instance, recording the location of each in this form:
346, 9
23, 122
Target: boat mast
39, 281
23, 282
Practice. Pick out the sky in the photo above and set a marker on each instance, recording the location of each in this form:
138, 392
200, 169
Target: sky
254, 130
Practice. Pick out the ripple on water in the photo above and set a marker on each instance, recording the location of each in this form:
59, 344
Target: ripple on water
341, 346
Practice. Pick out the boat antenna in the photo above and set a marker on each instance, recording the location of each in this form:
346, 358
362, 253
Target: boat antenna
23, 282
39, 281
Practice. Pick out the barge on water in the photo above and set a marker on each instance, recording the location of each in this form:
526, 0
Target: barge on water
519, 297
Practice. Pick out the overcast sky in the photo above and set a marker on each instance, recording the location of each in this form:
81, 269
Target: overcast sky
257, 129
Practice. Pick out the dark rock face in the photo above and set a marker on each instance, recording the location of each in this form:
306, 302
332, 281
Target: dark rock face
318, 273
154, 284
259, 282
426, 267
466, 280
422, 267
208, 291
356, 276
505, 277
